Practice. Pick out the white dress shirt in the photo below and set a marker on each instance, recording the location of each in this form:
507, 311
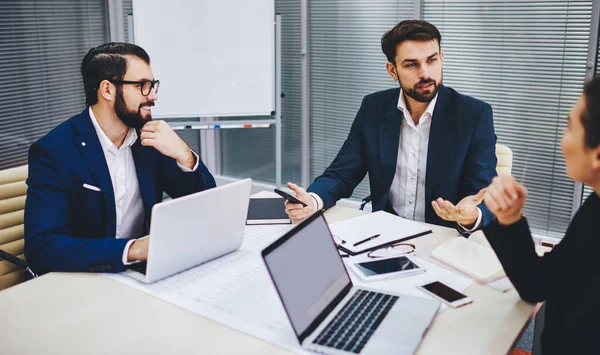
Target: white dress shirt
407, 193
128, 199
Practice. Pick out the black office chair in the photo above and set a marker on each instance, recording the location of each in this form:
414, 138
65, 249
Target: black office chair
364, 202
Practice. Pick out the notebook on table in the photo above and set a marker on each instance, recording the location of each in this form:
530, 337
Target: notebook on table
473, 257
267, 211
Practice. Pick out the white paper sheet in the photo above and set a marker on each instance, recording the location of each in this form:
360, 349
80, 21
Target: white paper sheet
236, 289
387, 226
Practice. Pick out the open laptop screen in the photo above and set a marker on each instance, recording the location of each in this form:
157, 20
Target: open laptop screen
307, 271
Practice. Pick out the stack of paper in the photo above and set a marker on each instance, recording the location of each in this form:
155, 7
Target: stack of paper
474, 258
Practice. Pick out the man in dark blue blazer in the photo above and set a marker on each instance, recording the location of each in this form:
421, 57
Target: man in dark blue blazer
94, 179
429, 150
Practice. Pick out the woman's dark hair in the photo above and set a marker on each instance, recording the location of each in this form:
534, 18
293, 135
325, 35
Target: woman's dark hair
107, 62
408, 30
591, 116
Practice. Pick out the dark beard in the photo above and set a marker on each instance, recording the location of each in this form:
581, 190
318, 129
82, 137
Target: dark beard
132, 119
425, 96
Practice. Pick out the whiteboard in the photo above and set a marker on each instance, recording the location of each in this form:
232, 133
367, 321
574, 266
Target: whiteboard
212, 57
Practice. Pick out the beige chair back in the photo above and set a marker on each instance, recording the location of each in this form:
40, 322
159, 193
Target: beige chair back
505, 159
13, 192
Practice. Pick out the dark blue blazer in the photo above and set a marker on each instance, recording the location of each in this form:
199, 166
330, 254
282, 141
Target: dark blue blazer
72, 228
461, 158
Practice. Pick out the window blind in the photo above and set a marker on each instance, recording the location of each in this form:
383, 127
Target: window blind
528, 60
42, 44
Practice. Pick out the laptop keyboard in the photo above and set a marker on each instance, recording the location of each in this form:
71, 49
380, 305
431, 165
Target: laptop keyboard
356, 322
139, 267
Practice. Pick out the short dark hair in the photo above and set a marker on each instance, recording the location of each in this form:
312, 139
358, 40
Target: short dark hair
408, 30
107, 62
591, 115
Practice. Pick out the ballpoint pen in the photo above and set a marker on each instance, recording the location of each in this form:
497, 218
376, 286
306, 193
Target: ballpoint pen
366, 239
340, 239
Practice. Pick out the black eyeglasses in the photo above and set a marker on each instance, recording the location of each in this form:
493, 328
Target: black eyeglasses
145, 85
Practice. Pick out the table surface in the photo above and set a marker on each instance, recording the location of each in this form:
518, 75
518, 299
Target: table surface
87, 313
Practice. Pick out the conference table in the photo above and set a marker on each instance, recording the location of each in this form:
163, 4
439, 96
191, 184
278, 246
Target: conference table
86, 313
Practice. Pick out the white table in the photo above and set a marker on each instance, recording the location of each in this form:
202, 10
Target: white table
62, 313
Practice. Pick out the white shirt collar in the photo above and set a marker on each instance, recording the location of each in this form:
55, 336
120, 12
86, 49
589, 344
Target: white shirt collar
402, 107
105, 142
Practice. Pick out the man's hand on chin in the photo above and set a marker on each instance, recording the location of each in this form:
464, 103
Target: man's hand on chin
162, 137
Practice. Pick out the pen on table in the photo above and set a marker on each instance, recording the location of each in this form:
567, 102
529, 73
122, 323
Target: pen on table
340, 239
366, 239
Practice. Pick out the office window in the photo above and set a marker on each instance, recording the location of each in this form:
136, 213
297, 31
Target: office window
528, 60
42, 44
346, 63
127, 10
251, 152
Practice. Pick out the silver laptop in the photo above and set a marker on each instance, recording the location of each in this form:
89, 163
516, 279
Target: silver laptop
193, 229
329, 314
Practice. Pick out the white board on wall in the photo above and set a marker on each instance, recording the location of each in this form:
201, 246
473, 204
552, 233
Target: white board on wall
212, 57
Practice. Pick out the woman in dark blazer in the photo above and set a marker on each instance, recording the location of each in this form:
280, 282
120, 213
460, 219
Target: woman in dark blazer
568, 277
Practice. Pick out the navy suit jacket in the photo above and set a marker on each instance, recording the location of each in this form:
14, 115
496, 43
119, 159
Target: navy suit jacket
72, 228
461, 158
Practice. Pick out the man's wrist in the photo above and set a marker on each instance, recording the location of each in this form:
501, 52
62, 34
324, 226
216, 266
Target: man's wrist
134, 252
317, 201
470, 222
188, 159
473, 225
126, 250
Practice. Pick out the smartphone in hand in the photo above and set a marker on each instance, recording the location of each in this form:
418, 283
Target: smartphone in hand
289, 197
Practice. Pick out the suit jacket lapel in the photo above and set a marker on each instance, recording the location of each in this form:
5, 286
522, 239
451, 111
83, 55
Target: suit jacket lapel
441, 136
145, 168
389, 137
88, 143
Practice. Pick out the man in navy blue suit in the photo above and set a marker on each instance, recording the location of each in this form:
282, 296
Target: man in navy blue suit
428, 150
94, 178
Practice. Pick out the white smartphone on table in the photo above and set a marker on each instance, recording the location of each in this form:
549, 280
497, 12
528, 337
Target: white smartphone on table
446, 294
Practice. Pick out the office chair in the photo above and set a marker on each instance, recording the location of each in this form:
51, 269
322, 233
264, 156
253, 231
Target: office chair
504, 162
13, 191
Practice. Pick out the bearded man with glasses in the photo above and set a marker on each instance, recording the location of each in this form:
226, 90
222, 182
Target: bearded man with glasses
94, 179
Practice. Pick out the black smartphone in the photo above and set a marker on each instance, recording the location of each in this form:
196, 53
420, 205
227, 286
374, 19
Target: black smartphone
289, 197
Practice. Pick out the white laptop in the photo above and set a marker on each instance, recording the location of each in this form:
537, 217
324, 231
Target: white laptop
190, 230
328, 313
